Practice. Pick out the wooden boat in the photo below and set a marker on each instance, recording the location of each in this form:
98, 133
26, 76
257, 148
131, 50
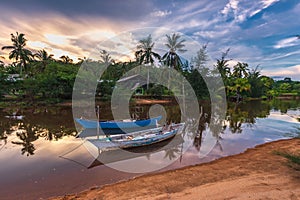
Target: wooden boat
119, 155
125, 124
91, 132
136, 139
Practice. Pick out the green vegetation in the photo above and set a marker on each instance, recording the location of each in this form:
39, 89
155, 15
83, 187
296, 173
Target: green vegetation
294, 160
37, 76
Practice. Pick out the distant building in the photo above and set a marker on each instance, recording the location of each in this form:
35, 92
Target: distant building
135, 82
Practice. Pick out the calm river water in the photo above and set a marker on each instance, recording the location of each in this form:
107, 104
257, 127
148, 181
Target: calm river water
41, 157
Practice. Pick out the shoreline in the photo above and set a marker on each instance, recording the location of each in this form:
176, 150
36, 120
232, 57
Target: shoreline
257, 173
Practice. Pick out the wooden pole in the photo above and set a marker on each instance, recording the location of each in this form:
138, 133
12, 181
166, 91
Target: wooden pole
98, 123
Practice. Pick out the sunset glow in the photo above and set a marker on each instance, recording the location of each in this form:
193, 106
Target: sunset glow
258, 32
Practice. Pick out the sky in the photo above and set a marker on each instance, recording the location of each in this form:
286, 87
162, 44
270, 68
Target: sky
260, 32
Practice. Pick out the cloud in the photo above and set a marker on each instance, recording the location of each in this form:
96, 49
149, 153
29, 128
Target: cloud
212, 34
240, 10
292, 72
256, 31
118, 10
59, 34
161, 13
267, 3
231, 6
288, 42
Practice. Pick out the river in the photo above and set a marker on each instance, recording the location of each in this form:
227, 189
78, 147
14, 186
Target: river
41, 157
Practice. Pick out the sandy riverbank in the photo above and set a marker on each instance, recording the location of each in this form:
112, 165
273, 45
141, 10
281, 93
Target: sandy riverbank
256, 174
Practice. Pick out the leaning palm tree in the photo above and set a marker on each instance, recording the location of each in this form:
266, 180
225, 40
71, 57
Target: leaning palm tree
18, 50
144, 54
171, 58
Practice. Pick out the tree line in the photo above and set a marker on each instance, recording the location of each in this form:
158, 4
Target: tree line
39, 76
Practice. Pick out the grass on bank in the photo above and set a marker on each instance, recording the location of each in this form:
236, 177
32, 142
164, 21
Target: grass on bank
294, 159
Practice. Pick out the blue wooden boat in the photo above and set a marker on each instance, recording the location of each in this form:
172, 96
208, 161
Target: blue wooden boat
136, 139
126, 124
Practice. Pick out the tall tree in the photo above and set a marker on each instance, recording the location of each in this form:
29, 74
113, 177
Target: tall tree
145, 55
196, 79
175, 45
198, 62
18, 50
105, 58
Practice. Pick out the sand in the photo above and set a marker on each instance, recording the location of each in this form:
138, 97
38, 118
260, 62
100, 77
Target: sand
256, 174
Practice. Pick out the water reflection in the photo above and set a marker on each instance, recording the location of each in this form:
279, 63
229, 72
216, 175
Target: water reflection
36, 159
35, 123
55, 123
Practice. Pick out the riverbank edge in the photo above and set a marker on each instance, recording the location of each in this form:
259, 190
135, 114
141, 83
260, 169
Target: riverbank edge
6, 102
129, 189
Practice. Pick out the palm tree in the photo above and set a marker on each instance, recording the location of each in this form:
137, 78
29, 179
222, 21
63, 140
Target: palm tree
105, 58
145, 55
44, 57
171, 58
19, 52
1, 62
240, 70
222, 66
66, 59
174, 44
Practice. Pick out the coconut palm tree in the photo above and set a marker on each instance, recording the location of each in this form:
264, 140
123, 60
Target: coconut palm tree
66, 59
222, 67
174, 44
18, 50
44, 57
240, 70
145, 55
1, 62
171, 58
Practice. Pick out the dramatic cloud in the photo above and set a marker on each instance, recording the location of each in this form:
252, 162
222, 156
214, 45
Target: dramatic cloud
257, 32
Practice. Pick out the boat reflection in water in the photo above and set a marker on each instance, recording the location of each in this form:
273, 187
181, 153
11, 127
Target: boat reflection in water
136, 145
165, 147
